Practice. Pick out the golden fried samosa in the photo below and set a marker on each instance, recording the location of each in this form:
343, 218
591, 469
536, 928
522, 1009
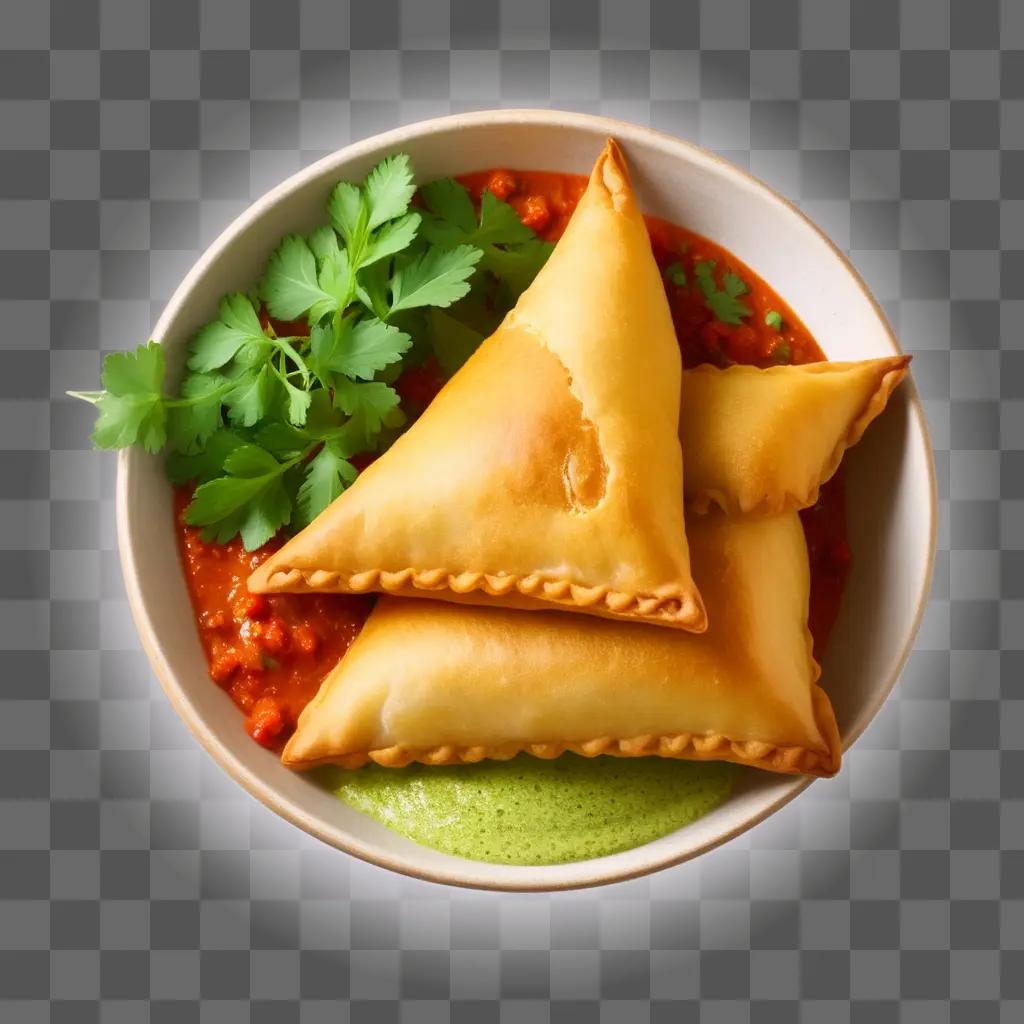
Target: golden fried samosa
444, 683
764, 441
548, 471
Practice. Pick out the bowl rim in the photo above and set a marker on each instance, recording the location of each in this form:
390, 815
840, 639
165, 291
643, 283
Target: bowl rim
587, 873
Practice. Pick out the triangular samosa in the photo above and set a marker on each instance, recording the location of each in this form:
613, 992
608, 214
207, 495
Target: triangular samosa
443, 683
764, 441
548, 471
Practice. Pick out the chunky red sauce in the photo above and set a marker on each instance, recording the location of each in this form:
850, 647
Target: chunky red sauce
272, 652
545, 201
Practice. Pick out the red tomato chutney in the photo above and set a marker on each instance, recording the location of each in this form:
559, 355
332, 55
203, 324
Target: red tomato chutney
766, 332
269, 652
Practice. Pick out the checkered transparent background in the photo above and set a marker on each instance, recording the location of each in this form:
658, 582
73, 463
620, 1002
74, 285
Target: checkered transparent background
138, 883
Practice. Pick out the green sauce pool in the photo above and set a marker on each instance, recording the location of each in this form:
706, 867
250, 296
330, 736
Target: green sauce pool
534, 811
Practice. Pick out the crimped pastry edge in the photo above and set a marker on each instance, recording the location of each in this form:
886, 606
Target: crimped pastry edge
684, 746
793, 760
670, 606
790, 501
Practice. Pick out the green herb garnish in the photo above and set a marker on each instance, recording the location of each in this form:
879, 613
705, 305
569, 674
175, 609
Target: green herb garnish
512, 253
132, 409
676, 273
723, 302
773, 319
267, 425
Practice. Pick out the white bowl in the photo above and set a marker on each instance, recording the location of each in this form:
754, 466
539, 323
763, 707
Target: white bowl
890, 477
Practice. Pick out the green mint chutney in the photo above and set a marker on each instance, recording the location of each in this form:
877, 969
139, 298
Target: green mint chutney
533, 811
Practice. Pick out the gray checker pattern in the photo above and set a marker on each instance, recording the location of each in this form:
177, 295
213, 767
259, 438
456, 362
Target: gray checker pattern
140, 884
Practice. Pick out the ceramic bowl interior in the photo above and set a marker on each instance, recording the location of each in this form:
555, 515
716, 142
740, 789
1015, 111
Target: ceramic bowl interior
890, 481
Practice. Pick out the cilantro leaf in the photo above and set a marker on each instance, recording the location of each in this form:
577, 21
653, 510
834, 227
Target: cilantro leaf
734, 285
512, 252
282, 439
130, 419
190, 424
499, 223
357, 350
218, 499
452, 219
252, 507
454, 216
291, 286
705, 277
436, 278
724, 303
345, 208
324, 243
373, 346
326, 476
250, 400
388, 189
266, 516
392, 238
131, 406
323, 419
204, 464
251, 499
138, 372
676, 273
250, 357
324, 343
250, 460
219, 341
368, 404
517, 266
773, 318
298, 400
372, 289
334, 279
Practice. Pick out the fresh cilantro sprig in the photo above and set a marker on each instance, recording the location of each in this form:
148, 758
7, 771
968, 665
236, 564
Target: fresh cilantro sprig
251, 498
723, 302
266, 424
512, 253
132, 408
